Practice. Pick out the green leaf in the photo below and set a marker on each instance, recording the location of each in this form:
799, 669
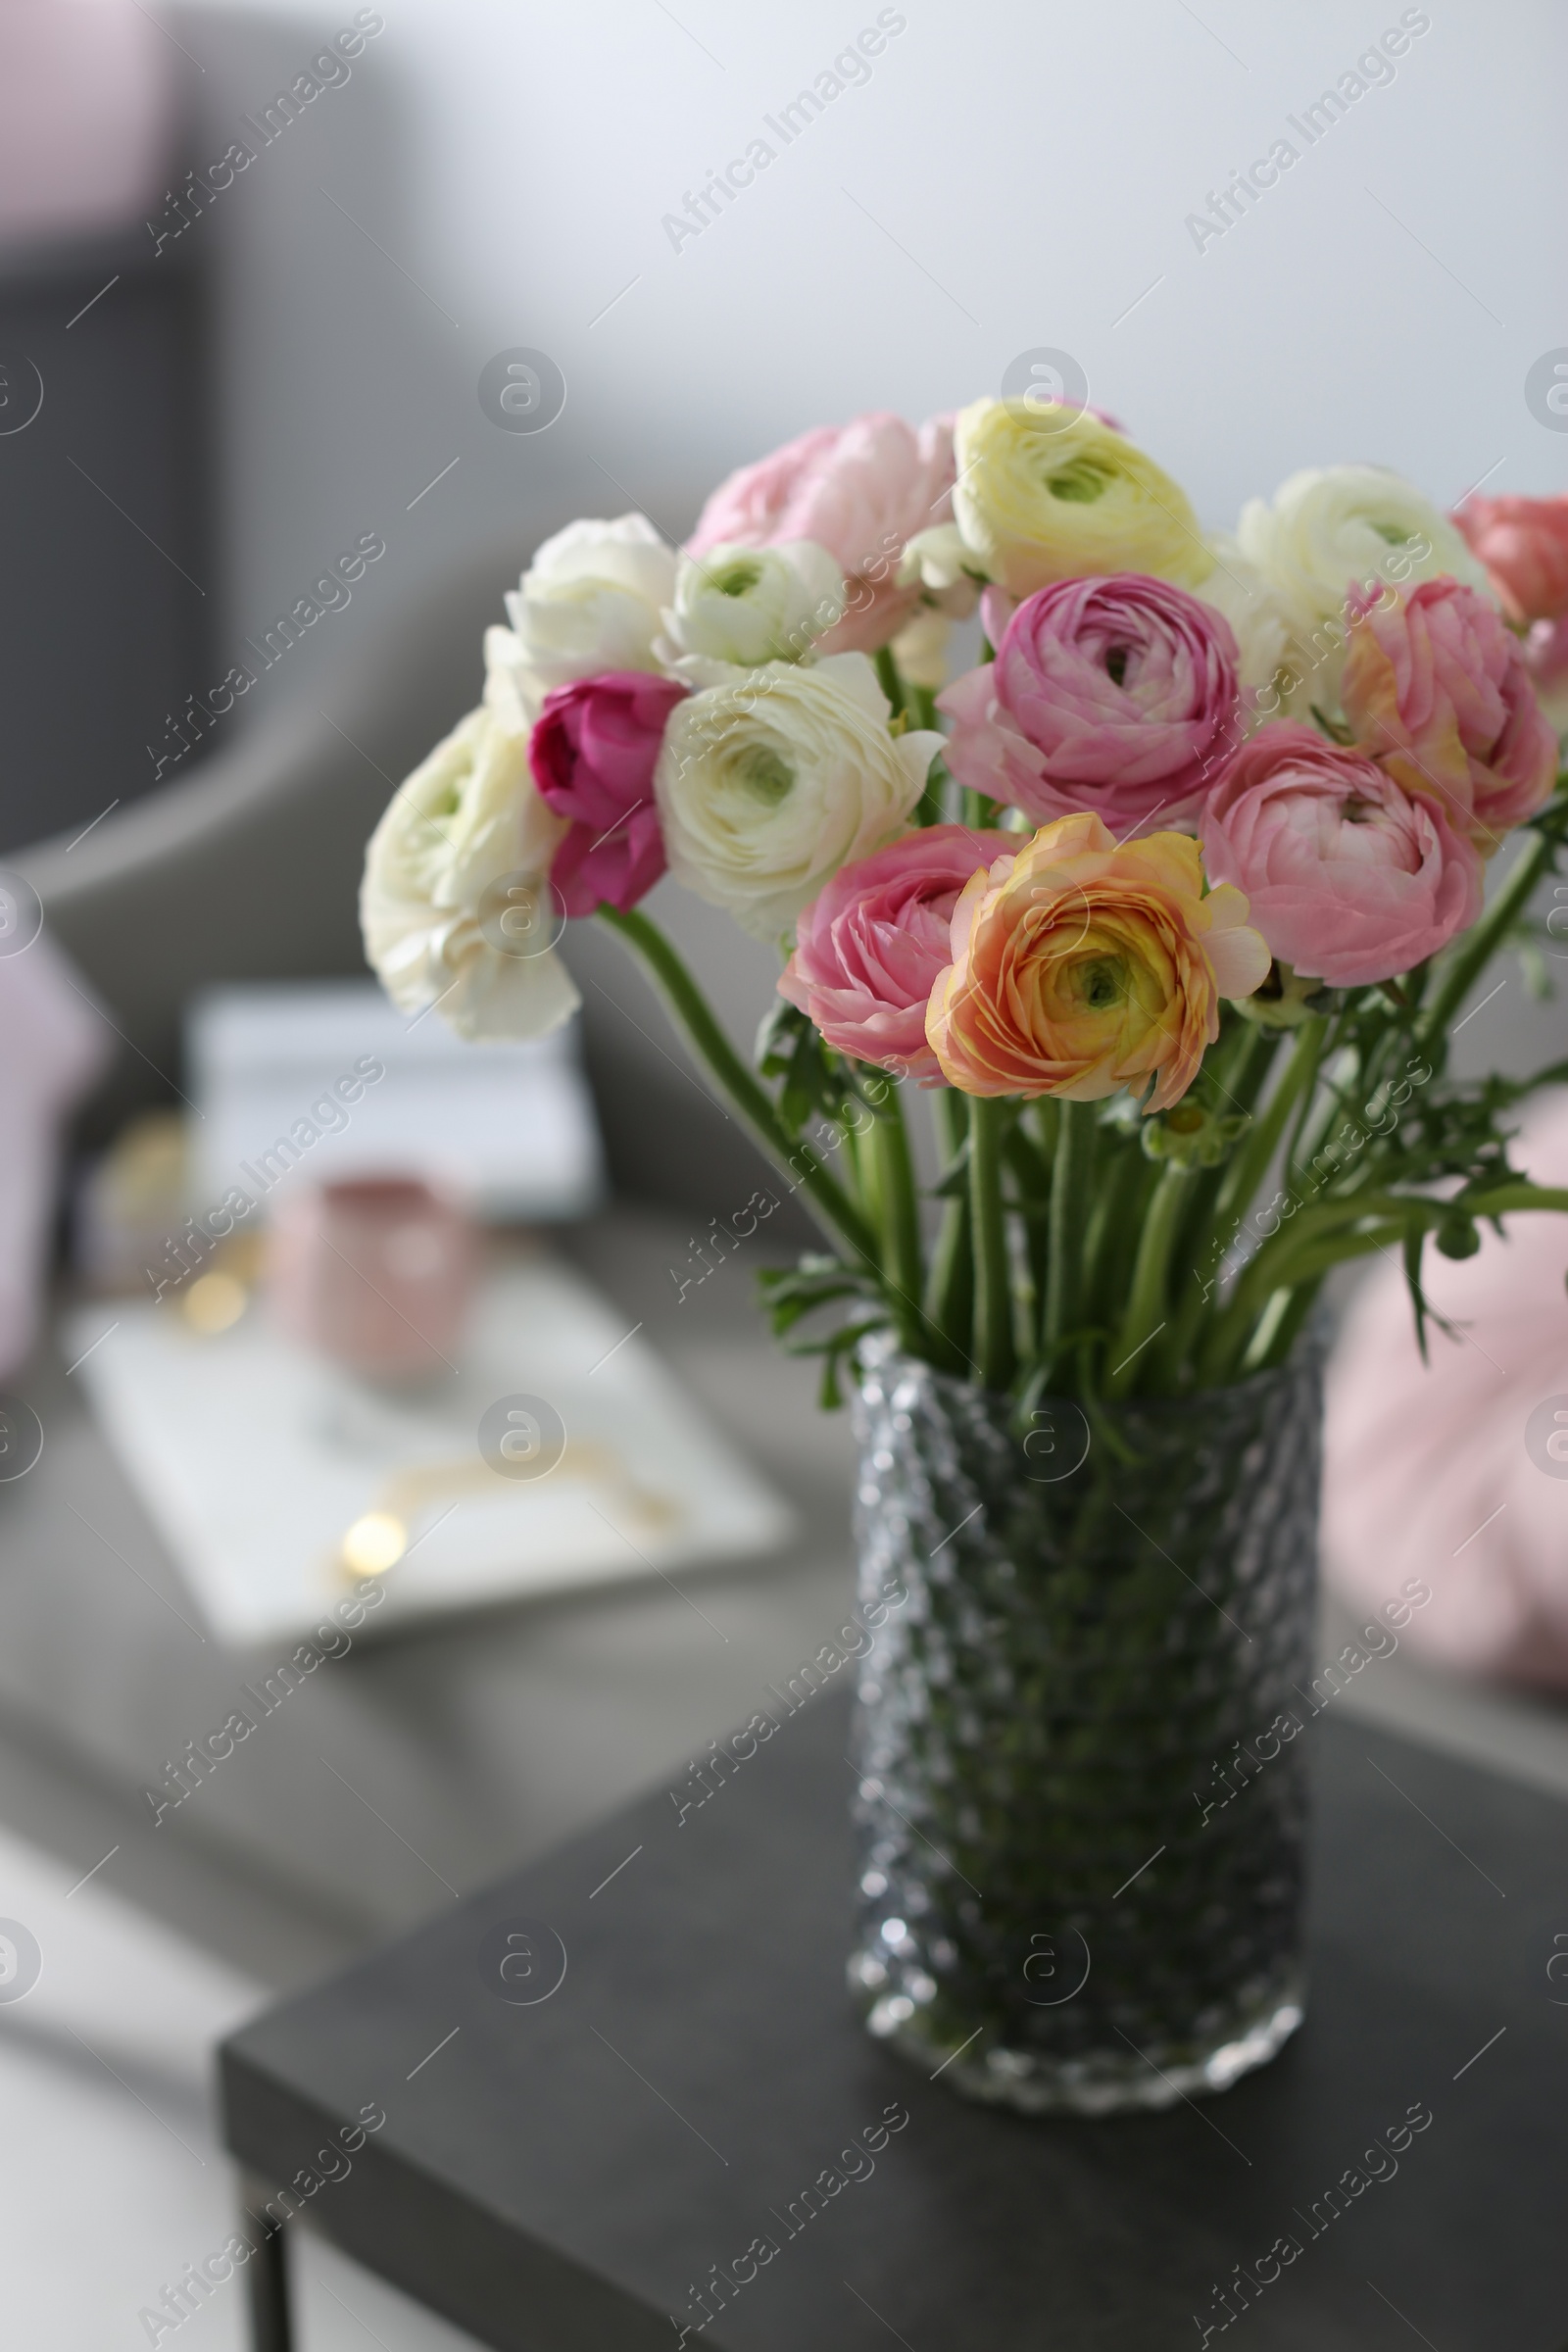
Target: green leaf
776, 1035
1415, 1235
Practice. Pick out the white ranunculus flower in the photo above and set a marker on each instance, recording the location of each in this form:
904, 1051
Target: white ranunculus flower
590, 600
1270, 632
751, 604
767, 785
1330, 526
467, 819
939, 558
504, 682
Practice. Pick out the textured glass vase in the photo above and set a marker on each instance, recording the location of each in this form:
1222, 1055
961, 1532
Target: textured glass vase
1082, 1796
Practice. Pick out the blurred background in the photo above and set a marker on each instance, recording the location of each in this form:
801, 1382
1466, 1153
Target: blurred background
250, 429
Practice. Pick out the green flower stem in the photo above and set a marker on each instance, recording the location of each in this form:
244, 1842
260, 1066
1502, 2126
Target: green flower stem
1315, 1240
993, 1288
931, 809
1320, 1237
950, 1288
1031, 1178
1302, 1299
1071, 1190
886, 1146
1239, 1081
1031, 1171
1147, 1305
1310, 1106
1309, 1265
1265, 1332
1506, 1197
1274, 1265
1120, 1198
1481, 942
860, 1166
890, 680
1239, 1075
1321, 1117
835, 1211
1048, 1127
1250, 1159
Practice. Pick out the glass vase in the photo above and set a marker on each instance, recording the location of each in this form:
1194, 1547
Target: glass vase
1082, 1794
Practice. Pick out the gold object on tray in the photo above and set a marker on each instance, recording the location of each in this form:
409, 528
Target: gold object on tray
379, 1538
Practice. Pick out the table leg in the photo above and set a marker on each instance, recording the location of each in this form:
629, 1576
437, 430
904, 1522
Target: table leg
267, 2272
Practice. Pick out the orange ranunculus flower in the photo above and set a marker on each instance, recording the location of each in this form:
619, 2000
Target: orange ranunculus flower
1083, 964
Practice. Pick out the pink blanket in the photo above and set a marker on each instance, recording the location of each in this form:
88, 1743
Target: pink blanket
1458, 1472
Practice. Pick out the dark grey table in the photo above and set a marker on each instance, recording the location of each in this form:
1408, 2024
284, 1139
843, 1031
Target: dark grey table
580, 2172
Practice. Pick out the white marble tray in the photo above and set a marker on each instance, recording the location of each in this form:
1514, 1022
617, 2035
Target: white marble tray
255, 1460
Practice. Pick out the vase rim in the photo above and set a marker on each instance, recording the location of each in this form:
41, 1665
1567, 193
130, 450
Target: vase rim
880, 1352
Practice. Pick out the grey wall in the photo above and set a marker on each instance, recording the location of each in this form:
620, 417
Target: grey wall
1008, 176
497, 175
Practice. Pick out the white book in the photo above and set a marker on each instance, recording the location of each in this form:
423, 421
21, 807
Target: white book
510, 1127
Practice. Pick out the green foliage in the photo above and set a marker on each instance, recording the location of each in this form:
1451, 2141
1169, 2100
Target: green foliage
789, 1048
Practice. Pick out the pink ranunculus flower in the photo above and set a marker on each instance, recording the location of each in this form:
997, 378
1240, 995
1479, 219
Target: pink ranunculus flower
870, 946
1523, 542
861, 490
1349, 879
1435, 687
1545, 657
1117, 695
593, 754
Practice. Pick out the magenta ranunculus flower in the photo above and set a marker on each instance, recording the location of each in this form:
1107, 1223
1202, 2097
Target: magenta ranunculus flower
861, 490
870, 946
1113, 695
1436, 686
1349, 879
593, 753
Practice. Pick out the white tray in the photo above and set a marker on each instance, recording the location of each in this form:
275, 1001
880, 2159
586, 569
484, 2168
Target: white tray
254, 1459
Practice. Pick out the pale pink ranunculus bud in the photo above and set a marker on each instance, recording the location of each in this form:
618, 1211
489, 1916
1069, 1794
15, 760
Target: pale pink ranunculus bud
1435, 687
870, 947
1546, 657
861, 490
1349, 878
1117, 695
1523, 542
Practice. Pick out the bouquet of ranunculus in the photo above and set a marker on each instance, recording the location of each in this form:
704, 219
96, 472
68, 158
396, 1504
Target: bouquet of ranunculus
1169, 927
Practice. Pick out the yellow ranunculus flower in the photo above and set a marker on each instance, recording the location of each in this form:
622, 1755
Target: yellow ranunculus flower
1046, 494
1086, 965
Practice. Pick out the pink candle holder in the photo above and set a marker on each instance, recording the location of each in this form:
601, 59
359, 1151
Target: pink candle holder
376, 1272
